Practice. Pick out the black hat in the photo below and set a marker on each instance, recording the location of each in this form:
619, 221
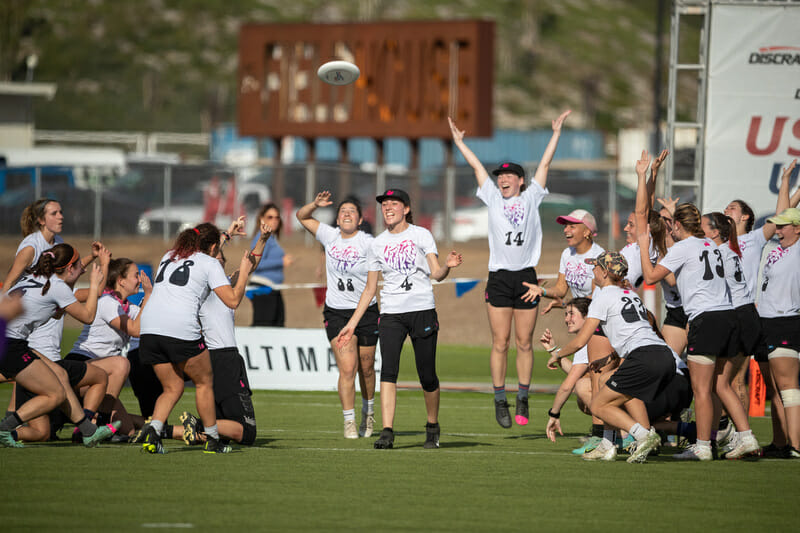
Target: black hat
394, 194
513, 168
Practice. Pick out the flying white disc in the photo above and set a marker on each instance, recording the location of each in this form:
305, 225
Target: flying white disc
338, 72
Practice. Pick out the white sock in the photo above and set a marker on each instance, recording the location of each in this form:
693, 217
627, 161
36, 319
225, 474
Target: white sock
349, 414
158, 425
606, 444
704, 443
212, 431
368, 406
747, 433
639, 432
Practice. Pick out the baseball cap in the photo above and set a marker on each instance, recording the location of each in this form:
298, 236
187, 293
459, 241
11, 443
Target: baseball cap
579, 216
513, 168
790, 215
610, 262
394, 194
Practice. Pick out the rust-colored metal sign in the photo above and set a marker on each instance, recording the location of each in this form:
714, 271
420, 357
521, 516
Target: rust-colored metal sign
413, 75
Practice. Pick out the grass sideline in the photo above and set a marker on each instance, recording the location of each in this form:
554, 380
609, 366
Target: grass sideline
302, 475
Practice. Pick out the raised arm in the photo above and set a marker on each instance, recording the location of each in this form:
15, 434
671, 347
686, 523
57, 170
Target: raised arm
126, 324
458, 139
547, 157
784, 200
85, 312
304, 214
651, 184
231, 295
438, 273
642, 194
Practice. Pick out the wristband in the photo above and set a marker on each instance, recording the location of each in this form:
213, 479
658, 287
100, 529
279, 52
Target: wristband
553, 349
226, 235
544, 291
551, 414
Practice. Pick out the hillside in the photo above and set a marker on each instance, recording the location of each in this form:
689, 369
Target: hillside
161, 65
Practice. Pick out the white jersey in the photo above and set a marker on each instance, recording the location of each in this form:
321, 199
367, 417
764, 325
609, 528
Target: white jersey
133, 312
406, 275
46, 339
752, 245
700, 274
630, 252
623, 318
515, 230
735, 277
345, 266
780, 289
38, 307
576, 272
180, 287
100, 338
217, 321
581, 357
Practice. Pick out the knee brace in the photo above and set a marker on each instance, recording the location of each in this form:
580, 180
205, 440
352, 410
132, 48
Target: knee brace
702, 359
782, 352
790, 397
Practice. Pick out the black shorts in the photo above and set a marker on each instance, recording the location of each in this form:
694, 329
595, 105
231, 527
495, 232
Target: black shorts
156, 349
749, 328
673, 399
676, 317
145, 383
76, 357
76, 370
505, 289
230, 375
644, 373
16, 359
366, 331
423, 328
780, 332
599, 331
714, 333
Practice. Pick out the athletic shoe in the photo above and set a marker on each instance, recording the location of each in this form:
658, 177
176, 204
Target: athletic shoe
119, 438
603, 452
138, 437
77, 436
521, 413
431, 436
350, 429
794, 453
101, 433
191, 428
501, 413
746, 446
151, 442
367, 426
588, 446
724, 438
385, 440
627, 444
771, 451
695, 453
7, 441
644, 447
215, 446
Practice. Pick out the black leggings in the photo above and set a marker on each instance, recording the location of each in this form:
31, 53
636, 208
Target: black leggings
423, 327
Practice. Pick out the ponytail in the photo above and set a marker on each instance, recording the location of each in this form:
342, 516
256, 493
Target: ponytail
54, 261
689, 217
727, 230
201, 238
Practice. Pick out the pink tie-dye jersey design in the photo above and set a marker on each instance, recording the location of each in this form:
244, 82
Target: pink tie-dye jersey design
401, 257
576, 275
515, 213
345, 258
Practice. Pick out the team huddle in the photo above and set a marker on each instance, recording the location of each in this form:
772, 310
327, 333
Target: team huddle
636, 379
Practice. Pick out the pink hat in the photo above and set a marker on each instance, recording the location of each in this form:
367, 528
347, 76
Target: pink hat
579, 216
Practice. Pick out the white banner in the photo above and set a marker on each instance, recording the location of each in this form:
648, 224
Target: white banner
753, 104
291, 359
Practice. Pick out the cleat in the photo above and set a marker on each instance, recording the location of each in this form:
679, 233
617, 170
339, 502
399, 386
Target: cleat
521, 412
603, 452
431, 436
746, 446
773, 452
730, 443
695, 453
724, 438
367, 424
628, 444
119, 438
350, 430
151, 442
644, 447
588, 446
385, 440
793, 453
101, 433
138, 437
7, 441
191, 428
77, 436
501, 413
215, 446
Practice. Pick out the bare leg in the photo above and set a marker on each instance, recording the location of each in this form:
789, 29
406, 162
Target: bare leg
198, 368
388, 403
500, 324
702, 384
432, 406
726, 369
347, 361
366, 371
784, 371
524, 324
776, 407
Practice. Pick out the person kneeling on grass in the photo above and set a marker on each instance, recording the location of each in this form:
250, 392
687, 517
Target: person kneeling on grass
647, 366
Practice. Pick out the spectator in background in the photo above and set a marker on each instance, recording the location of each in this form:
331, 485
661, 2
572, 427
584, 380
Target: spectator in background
268, 308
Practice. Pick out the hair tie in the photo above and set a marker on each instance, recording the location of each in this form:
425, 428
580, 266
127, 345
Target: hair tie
196, 231
49, 253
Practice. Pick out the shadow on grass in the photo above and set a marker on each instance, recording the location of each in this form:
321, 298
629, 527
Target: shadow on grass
443, 445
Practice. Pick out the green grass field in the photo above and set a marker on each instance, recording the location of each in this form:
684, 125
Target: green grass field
302, 475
